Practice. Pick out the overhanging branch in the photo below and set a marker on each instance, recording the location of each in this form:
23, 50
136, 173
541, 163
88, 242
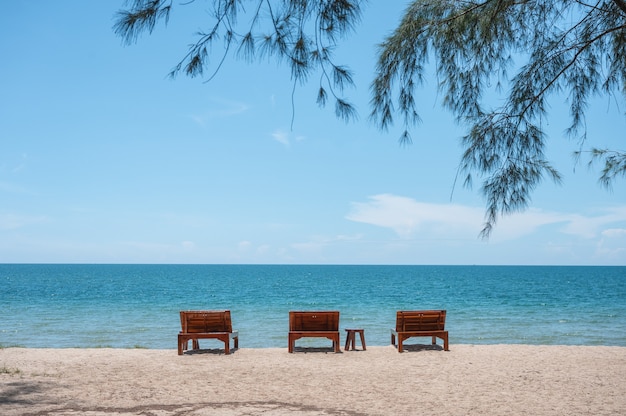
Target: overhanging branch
621, 4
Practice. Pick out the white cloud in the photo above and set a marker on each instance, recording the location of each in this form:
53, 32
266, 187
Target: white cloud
281, 137
524, 223
612, 244
614, 233
408, 217
590, 226
224, 109
317, 243
285, 138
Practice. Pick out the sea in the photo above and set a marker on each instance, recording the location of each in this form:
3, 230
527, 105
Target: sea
137, 306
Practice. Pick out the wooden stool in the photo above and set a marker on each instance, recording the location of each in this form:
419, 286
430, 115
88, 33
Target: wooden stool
351, 338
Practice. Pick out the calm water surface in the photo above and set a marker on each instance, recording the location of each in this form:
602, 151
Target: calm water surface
137, 305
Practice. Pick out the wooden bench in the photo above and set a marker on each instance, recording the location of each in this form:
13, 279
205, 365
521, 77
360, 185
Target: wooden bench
323, 324
420, 324
206, 324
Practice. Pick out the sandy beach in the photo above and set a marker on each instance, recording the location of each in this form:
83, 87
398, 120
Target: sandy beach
467, 380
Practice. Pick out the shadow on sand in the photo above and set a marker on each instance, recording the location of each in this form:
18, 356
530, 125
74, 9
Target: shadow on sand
214, 351
421, 347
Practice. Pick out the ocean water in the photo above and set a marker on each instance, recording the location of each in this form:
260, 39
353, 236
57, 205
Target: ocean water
136, 306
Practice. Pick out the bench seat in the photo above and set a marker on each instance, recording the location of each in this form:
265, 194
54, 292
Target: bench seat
420, 324
322, 324
206, 325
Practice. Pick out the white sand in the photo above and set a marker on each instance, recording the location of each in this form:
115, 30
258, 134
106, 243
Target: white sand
467, 380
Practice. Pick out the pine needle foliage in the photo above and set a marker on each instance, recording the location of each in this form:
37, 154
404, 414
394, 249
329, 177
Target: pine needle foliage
301, 33
556, 48
525, 52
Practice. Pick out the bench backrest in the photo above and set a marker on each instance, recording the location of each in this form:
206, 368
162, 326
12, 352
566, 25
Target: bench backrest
314, 321
412, 321
195, 322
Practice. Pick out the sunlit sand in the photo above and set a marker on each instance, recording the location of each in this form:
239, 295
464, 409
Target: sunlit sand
467, 380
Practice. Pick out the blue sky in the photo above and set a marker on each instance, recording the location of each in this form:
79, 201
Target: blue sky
103, 159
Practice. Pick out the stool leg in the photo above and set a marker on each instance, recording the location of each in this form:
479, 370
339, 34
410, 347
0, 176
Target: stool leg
361, 333
349, 341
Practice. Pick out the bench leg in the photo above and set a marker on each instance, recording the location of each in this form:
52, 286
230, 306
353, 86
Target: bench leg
183, 343
291, 342
445, 342
336, 344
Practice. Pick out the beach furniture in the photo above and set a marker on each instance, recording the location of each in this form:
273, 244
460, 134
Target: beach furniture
420, 324
323, 324
203, 325
351, 338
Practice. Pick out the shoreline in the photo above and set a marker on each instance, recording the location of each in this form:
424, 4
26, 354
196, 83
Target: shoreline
469, 379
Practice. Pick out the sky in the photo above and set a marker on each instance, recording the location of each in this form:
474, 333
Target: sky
104, 159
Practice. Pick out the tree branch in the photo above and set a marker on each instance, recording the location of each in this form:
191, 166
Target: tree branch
621, 4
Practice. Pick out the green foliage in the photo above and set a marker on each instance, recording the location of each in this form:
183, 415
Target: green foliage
300, 32
569, 47
555, 48
614, 164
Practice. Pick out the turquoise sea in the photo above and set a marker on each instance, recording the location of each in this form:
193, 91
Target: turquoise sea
136, 306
